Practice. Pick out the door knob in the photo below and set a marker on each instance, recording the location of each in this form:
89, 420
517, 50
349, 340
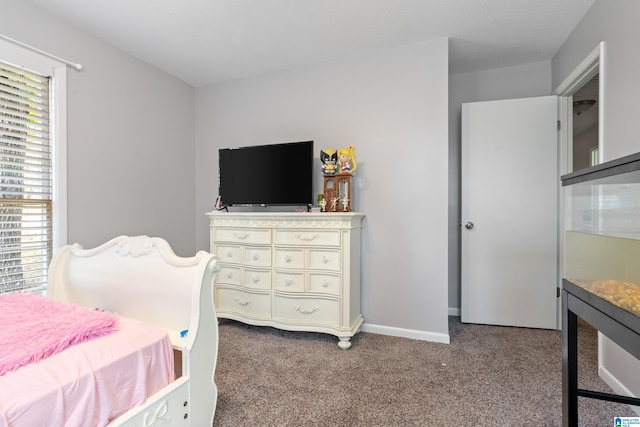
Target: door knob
468, 225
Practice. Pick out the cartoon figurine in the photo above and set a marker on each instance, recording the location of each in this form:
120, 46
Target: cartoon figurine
329, 159
347, 160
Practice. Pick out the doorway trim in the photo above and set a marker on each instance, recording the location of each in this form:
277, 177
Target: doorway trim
593, 64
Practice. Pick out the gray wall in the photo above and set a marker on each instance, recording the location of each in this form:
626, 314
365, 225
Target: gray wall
133, 167
582, 145
130, 136
391, 104
616, 23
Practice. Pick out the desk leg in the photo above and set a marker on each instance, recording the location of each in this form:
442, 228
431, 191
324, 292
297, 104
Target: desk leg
569, 365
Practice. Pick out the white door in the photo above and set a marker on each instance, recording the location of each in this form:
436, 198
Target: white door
509, 212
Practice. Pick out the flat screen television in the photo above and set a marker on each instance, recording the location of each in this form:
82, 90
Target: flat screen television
262, 175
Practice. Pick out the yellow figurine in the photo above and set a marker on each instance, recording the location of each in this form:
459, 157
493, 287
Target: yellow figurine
329, 159
347, 160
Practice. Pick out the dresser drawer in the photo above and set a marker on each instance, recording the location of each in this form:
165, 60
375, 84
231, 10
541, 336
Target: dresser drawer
289, 258
229, 274
321, 311
228, 253
243, 235
307, 237
325, 283
257, 278
289, 281
251, 304
324, 259
257, 256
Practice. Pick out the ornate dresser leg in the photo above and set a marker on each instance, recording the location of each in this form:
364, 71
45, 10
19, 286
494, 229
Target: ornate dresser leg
344, 343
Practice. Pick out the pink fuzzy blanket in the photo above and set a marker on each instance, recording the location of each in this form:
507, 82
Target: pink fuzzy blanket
33, 328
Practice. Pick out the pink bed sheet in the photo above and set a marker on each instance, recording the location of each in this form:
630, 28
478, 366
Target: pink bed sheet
89, 384
45, 327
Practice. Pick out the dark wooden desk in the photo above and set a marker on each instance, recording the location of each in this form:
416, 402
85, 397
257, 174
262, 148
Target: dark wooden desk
617, 324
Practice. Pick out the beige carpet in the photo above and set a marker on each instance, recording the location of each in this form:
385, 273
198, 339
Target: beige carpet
487, 376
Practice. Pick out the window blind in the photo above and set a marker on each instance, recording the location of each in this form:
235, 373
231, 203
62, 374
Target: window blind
25, 180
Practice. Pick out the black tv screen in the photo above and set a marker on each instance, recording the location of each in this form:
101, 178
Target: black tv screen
275, 174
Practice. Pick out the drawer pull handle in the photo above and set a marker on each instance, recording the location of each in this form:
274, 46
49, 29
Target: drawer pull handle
241, 236
229, 275
325, 283
307, 310
325, 259
229, 254
242, 302
288, 258
256, 279
306, 238
288, 282
255, 257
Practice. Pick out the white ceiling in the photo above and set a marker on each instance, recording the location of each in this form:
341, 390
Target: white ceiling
207, 41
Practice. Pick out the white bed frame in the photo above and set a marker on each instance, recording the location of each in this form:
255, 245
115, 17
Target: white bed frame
142, 278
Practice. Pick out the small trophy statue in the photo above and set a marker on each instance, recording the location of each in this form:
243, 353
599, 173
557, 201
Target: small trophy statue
334, 203
345, 204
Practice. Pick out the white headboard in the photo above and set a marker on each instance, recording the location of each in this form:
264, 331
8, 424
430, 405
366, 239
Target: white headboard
138, 277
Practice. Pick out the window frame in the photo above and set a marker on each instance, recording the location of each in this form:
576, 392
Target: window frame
57, 71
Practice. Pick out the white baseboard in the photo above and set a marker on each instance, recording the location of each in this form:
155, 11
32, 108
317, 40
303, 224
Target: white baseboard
411, 333
616, 385
406, 333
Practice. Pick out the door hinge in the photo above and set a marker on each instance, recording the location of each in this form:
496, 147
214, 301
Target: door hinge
558, 292
559, 125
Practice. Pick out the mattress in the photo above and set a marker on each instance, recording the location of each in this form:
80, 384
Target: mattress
91, 383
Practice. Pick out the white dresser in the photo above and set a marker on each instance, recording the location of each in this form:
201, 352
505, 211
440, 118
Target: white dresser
290, 270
